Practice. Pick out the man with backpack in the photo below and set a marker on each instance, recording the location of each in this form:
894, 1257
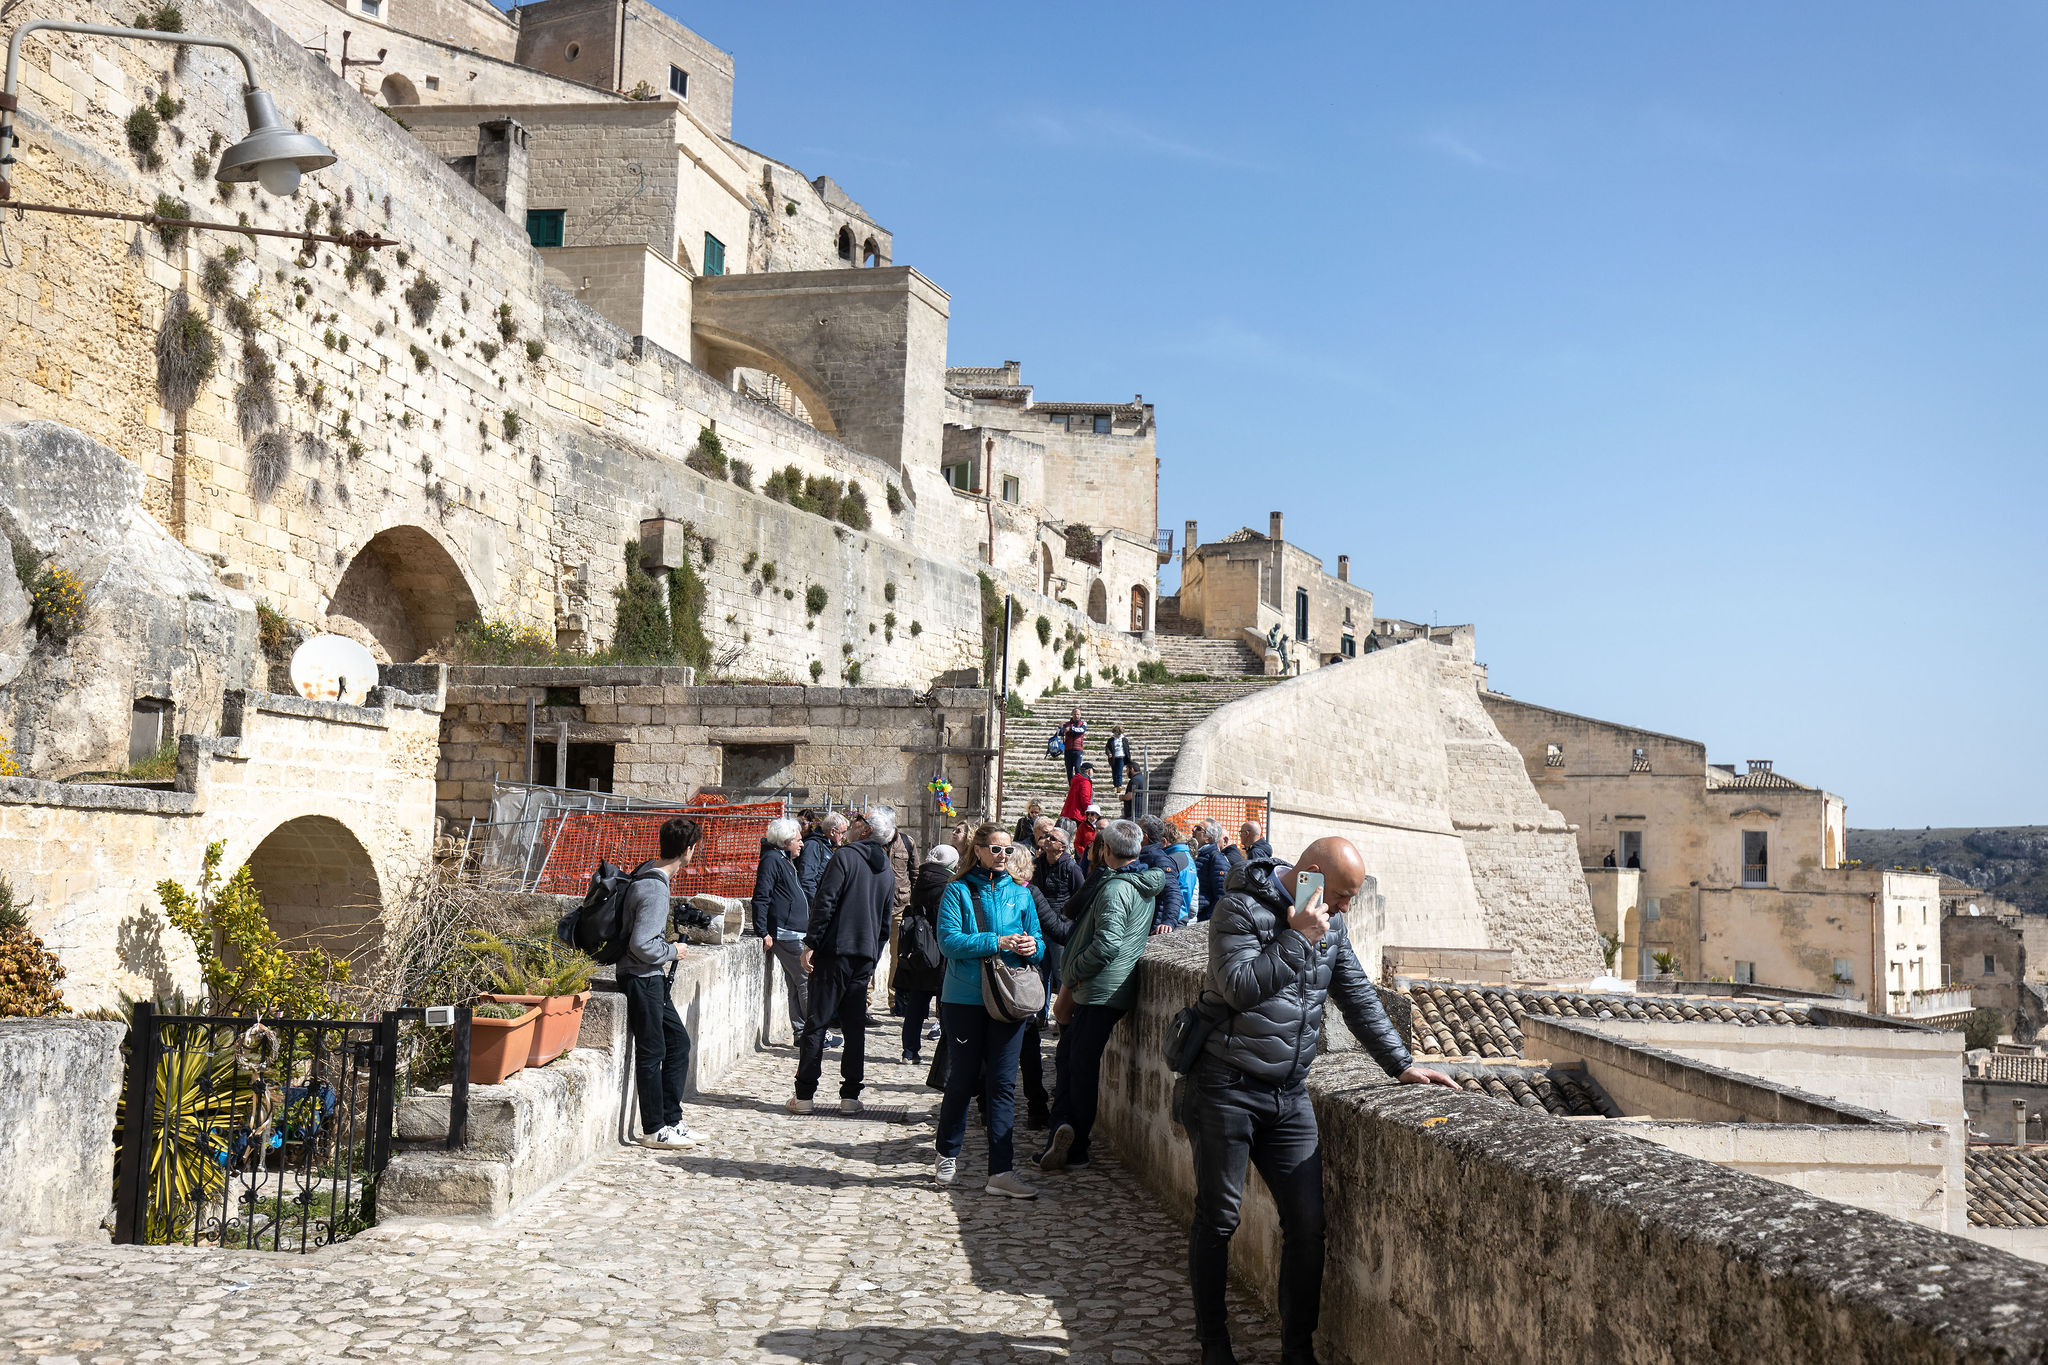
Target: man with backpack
661, 1045
849, 928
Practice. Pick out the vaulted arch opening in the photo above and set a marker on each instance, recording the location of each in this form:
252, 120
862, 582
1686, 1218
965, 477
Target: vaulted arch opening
1098, 602
1045, 569
846, 244
397, 89
870, 254
319, 887
407, 591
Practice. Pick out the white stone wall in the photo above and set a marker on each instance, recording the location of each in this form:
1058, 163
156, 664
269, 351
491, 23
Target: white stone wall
1900, 1172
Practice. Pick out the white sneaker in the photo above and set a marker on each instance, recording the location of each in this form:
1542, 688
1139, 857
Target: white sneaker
849, 1105
682, 1136
948, 1171
798, 1106
931, 1030
670, 1138
1009, 1185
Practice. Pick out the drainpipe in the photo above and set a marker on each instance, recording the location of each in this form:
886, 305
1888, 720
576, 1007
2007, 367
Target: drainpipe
1878, 983
619, 83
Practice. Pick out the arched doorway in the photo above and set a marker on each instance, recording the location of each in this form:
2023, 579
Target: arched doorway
1045, 570
396, 89
870, 254
319, 887
1098, 602
1141, 609
407, 591
846, 244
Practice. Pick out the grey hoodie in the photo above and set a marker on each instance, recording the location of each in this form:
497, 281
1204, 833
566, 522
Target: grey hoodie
647, 946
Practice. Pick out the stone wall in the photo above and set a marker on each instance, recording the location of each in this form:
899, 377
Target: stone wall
1461, 1229
1392, 751
60, 1080
332, 805
1989, 1105
673, 739
442, 52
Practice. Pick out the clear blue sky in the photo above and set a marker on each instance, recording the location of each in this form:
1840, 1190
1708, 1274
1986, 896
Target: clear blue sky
1698, 355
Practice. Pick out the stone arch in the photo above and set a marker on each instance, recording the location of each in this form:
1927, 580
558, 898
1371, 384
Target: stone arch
1141, 609
397, 89
1044, 569
845, 243
870, 254
319, 887
407, 590
726, 352
1098, 602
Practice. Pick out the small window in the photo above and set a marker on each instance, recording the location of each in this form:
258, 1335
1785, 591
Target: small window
1629, 849
1990, 965
1102, 424
1756, 858
1745, 973
960, 475
433, 82
590, 766
1348, 647
1011, 492
150, 729
372, 8
544, 226
870, 254
679, 82
1845, 970
714, 255
1060, 420
1553, 755
1301, 613
846, 244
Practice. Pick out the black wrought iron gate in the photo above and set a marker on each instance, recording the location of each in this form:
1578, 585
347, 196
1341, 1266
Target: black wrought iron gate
265, 1134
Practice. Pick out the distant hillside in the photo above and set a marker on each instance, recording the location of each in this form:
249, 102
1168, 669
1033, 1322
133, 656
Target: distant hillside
2011, 862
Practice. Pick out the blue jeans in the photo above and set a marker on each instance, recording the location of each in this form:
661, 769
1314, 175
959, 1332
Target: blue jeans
1233, 1122
980, 1049
1116, 771
661, 1049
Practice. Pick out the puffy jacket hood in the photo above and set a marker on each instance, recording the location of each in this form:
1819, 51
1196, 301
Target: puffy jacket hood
877, 854
1261, 878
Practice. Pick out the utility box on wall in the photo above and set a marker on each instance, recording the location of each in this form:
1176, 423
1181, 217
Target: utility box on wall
664, 543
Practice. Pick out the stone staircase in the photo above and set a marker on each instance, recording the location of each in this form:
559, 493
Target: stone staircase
1156, 716
1215, 658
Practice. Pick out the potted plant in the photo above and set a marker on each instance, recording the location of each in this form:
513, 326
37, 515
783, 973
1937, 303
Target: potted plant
547, 976
500, 1037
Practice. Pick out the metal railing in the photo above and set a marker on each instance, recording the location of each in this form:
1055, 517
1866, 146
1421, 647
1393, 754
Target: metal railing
253, 1134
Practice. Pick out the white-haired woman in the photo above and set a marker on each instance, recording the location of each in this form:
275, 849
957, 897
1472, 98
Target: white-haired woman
917, 980
782, 913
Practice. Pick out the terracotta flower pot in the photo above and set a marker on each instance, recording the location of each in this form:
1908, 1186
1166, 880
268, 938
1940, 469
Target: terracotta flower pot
499, 1047
561, 1018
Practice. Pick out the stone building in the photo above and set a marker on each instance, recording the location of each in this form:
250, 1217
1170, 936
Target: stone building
1262, 590
1997, 954
1739, 876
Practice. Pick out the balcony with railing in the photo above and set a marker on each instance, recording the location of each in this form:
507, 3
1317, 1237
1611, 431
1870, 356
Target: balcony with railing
1933, 1003
1163, 542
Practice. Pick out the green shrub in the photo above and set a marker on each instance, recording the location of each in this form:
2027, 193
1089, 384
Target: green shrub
187, 354
814, 600
889, 595
57, 604
1152, 671
743, 474
895, 499
707, 457
165, 18
509, 423
643, 634
686, 598
422, 297
817, 670
1044, 631
852, 674
167, 207
494, 640
535, 348
853, 508
241, 960
1023, 670
143, 129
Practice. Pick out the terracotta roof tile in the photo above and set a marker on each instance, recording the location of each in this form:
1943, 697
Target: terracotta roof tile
1486, 1021
2008, 1186
1562, 1090
1999, 1067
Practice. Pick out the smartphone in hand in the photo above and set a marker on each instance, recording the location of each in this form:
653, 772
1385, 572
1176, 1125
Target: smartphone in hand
1306, 884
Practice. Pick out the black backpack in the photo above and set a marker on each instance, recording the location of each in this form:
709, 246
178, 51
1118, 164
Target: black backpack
918, 940
598, 926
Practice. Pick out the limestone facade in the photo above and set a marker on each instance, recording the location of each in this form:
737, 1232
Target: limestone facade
1247, 586
1742, 874
1394, 752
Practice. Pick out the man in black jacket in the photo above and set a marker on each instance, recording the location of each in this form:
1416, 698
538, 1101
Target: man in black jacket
848, 930
782, 914
1272, 966
819, 845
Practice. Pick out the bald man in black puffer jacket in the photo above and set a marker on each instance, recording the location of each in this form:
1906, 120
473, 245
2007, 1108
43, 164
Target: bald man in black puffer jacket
1271, 968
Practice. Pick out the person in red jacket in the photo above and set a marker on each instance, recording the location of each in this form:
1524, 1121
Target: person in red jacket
1084, 835
1080, 794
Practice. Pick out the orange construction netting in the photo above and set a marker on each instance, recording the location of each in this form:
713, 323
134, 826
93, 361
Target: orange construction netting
725, 863
1184, 812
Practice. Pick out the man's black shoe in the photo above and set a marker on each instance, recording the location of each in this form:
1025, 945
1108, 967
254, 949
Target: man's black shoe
1037, 1117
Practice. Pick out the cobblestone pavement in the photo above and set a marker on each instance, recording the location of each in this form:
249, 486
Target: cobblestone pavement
817, 1239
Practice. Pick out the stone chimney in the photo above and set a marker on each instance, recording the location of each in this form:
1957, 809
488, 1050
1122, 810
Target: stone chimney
1759, 765
1188, 541
2019, 1123
1343, 568
501, 165
1274, 533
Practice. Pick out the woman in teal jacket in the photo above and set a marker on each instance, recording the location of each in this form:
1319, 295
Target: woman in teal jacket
983, 913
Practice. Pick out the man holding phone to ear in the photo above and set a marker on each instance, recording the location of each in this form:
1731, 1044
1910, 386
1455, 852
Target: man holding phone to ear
1277, 951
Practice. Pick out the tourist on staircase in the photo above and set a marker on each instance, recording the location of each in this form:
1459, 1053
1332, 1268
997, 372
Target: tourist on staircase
1272, 965
1114, 918
1084, 834
984, 915
917, 981
1170, 910
661, 1045
1071, 735
1118, 751
1080, 793
1133, 792
782, 913
1033, 811
849, 927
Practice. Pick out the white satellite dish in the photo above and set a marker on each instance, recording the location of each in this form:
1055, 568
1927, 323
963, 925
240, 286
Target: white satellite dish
333, 668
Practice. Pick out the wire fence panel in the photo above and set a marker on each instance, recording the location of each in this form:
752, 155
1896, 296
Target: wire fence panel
726, 860
253, 1134
1185, 810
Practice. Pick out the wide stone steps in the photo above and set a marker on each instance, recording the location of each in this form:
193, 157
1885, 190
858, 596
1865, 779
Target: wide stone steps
1156, 717
1216, 658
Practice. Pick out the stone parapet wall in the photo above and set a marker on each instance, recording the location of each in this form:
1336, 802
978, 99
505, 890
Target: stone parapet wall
1461, 1229
60, 1080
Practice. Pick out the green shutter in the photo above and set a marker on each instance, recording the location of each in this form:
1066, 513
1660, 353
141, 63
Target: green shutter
544, 226
714, 255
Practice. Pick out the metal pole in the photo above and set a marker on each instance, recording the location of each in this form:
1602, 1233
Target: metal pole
1003, 708
384, 1070
132, 1185
529, 741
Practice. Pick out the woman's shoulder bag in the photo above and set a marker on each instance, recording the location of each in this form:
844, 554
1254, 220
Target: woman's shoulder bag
1009, 993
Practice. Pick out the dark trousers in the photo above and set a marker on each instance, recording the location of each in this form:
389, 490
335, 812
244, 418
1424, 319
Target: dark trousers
838, 990
916, 1007
1231, 1120
1073, 757
980, 1049
1031, 1066
661, 1050
1077, 1072
1116, 771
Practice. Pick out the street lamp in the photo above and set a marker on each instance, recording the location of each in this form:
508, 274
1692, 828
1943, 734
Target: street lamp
275, 154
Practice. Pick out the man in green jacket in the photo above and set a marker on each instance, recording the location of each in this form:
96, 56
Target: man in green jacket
1113, 921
